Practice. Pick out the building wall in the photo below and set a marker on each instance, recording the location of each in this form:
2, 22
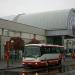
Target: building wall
55, 25
10, 29
13, 29
21, 27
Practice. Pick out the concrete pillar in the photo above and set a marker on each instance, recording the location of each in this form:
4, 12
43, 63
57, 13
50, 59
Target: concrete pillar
2, 47
62, 40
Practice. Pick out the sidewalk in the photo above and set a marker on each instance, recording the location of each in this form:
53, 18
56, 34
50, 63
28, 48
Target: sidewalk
68, 61
15, 64
68, 73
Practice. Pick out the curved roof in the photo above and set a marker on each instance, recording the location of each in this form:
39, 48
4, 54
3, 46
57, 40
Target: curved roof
51, 20
11, 17
46, 20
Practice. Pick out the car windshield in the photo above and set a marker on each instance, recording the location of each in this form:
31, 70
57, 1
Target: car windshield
32, 51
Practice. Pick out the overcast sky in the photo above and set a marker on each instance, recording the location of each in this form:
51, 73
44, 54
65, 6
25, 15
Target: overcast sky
12, 7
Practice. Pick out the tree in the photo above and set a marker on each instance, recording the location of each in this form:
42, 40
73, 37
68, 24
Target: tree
17, 43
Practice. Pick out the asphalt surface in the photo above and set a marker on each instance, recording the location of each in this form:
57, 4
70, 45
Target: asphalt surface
67, 68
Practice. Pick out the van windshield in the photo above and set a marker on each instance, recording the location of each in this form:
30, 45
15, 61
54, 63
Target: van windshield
32, 51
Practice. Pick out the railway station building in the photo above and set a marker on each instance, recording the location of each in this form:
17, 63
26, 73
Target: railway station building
53, 27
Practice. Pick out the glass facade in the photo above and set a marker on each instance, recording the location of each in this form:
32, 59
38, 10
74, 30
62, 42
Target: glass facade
54, 40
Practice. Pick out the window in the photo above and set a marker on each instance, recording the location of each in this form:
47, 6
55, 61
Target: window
6, 32
47, 50
32, 51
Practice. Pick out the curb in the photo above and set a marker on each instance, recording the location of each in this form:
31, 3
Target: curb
11, 68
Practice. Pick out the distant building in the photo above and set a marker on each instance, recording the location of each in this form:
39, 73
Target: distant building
49, 27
